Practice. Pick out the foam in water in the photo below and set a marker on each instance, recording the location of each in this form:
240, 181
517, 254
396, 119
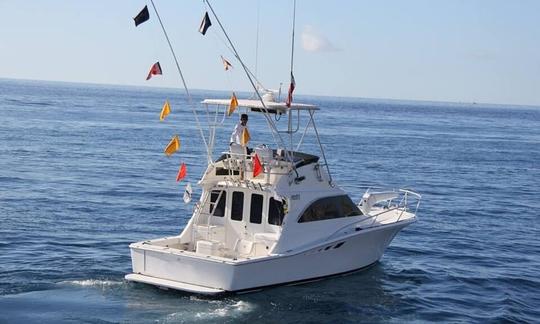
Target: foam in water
233, 310
92, 283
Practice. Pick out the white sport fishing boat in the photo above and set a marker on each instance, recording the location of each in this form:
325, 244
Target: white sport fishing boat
290, 223
285, 222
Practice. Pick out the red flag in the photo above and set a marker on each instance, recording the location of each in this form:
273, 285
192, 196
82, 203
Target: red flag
181, 173
155, 70
257, 166
291, 89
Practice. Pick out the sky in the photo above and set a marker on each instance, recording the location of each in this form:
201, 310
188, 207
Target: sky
485, 51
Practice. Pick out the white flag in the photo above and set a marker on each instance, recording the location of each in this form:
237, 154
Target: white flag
187, 193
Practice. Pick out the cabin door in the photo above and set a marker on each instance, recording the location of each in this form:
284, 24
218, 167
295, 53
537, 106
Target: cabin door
247, 213
254, 213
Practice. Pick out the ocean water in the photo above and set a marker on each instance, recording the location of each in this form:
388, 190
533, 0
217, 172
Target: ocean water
83, 174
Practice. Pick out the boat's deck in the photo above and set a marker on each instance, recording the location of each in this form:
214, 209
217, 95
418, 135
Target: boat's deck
207, 245
383, 216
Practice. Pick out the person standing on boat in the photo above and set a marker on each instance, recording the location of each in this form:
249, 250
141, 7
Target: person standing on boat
239, 139
240, 131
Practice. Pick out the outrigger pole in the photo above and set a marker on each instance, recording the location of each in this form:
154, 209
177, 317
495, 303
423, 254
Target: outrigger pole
292, 65
190, 101
292, 41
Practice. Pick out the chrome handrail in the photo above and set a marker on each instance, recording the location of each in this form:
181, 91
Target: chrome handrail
403, 204
247, 164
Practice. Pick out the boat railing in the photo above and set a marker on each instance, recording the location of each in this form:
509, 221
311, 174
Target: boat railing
407, 201
409, 195
243, 162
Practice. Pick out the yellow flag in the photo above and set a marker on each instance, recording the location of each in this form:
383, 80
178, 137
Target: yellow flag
165, 110
245, 137
232, 105
174, 145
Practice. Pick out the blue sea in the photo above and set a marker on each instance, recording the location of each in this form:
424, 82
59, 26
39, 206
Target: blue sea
83, 174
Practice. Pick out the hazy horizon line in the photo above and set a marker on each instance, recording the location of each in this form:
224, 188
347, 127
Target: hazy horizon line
425, 101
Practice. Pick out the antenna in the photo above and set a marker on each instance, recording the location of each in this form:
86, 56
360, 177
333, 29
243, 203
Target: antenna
292, 77
292, 42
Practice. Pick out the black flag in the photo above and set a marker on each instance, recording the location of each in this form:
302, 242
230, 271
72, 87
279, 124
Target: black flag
205, 23
143, 16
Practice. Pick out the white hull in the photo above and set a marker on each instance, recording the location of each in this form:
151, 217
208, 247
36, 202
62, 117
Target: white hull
172, 268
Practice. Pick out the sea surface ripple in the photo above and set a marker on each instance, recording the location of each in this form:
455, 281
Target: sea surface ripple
83, 174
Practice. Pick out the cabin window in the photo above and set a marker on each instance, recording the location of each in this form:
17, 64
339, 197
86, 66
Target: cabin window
237, 206
275, 212
226, 172
219, 210
348, 208
255, 213
329, 208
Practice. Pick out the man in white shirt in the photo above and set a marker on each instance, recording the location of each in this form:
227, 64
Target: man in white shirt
236, 136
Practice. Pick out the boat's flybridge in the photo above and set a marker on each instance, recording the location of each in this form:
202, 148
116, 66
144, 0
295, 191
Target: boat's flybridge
256, 105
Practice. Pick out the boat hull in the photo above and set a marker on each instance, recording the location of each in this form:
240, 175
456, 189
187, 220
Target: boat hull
171, 268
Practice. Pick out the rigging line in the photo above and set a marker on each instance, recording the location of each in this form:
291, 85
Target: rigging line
269, 121
217, 36
219, 49
190, 101
257, 38
232, 52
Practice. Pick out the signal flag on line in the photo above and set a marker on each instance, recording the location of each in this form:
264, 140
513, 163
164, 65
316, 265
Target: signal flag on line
166, 110
188, 193
154, 70
205, 24
232, 105
142, 16
173, 146
226, 64
257, 166
245, 137
181, 172
291, 89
